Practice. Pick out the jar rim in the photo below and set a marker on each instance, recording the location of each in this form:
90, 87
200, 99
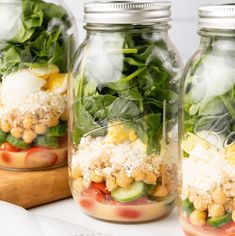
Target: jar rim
127, 12
217, 16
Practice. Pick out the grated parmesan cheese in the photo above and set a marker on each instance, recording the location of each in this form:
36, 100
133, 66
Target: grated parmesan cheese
42, 101
206, 169
130, 155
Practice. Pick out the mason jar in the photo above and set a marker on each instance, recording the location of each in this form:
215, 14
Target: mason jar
123, 99
207, 128
35, 42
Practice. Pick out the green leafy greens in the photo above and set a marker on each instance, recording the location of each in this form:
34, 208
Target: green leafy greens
137, 98
215, 110
42, 38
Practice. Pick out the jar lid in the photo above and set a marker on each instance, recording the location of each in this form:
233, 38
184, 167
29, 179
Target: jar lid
127, 12
221, 16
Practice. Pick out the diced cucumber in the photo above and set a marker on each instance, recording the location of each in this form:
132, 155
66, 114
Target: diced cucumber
58, 131
47, 141
220, 221
131, 193
187, 207
19, 143
3, 137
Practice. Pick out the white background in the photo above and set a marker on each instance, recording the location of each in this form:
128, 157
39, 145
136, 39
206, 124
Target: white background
184, 24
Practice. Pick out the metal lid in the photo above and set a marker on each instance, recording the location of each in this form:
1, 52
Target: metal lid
127, 12
221, 16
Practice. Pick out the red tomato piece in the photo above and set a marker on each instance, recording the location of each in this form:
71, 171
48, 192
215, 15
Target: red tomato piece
6, 157
88, 204
9, 147
94, 193
228, 229
128, 213
40, 157
63, 141
101, 187
188, 234
100, 197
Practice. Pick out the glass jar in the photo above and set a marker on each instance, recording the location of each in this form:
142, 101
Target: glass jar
35, 41
207, 122
123, 103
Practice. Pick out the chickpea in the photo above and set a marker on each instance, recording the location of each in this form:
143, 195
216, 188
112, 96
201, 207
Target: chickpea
198, 218
5, 126
78, 185
160, 191
28, 123
216, 210
123, 180
200, 204
111, 184
40, 128
192, 195
76, 172
64, 116
228, 206
105, 159
233, 216
96, 164
29, 136
150, 178
138, 175
35, 120
96, 178
51, 122
218, 196
17, 132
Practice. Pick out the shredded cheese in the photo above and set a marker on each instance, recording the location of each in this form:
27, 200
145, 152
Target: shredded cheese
127, 155
206, 169
40, 102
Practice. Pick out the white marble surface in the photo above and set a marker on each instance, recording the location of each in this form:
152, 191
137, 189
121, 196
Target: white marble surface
68, 211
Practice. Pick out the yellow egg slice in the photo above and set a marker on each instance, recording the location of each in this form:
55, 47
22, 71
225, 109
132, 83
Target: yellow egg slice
192, 141
57, 82
230, 154
120, 133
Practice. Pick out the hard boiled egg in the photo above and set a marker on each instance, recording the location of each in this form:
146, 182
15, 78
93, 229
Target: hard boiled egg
18, 86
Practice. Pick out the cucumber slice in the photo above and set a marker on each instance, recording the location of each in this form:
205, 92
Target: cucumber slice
58, 131
16, 142
47, 141
3, 137
131, 193
220, 221
188, 207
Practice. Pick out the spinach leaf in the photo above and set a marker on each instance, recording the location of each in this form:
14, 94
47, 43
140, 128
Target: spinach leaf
42, 38
136, 99
216, 114
123, 109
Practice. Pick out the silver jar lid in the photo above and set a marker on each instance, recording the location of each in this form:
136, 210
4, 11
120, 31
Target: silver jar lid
127, 12
221, 16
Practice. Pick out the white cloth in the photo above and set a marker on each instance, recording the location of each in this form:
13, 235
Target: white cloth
15, 220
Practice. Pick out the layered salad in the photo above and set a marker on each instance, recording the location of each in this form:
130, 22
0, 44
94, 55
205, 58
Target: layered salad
123, 162
208, 148
33, 86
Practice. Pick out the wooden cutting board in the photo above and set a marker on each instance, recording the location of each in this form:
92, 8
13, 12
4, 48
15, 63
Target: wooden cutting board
29, 189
